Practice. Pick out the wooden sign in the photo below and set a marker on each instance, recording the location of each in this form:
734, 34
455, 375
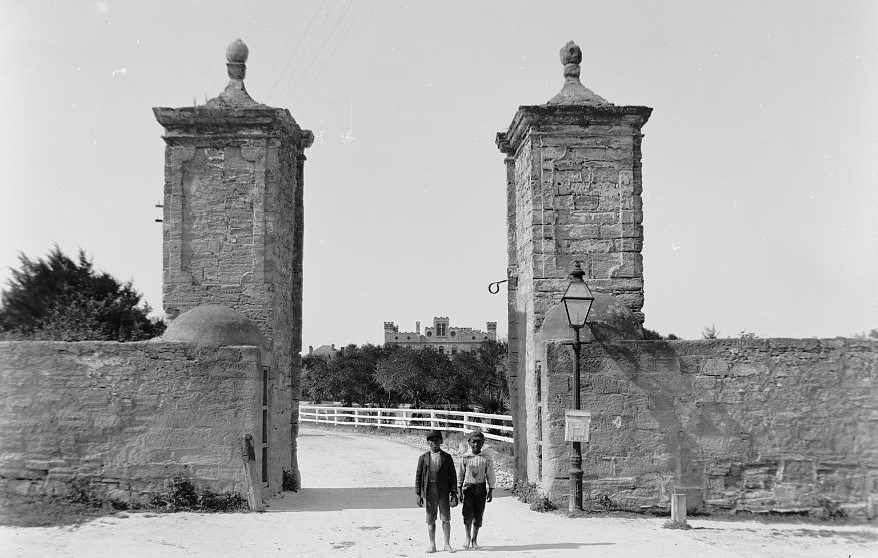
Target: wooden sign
576, 425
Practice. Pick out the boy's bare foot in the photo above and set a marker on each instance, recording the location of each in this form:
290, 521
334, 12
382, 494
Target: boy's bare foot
431, 549
448, 548
475, 545
467, 544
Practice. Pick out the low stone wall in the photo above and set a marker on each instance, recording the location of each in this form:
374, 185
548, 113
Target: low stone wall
738, 425
125, 417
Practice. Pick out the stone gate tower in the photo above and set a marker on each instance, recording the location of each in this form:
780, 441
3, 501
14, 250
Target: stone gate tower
233, 222
573, 194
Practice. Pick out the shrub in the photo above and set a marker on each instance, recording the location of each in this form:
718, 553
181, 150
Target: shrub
709, 332
181, 495
528, 493
81, 491
542, 504
290, 482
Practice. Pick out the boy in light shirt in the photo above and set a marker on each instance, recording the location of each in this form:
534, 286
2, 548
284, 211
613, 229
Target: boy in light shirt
475, 473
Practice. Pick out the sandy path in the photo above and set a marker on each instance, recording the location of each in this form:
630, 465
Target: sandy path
360, 502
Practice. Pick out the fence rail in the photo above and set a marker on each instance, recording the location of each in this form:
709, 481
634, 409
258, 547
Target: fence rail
495, 427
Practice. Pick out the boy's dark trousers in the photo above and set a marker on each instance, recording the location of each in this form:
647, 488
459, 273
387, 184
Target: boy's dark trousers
474, 497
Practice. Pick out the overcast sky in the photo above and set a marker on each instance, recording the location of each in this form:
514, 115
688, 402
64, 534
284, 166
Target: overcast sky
759, 161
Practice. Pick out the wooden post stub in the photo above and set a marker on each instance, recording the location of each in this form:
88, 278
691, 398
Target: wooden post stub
254, 490
678, 508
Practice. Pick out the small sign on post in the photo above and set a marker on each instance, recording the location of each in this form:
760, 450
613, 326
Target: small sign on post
576, 425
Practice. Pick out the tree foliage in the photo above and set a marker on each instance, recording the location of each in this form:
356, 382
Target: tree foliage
58, 298
392, 376
348, 377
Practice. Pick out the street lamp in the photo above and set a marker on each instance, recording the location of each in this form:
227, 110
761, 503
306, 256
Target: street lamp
577, 302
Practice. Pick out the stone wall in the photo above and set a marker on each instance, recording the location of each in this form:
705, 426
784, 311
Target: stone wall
738, 425
126, 416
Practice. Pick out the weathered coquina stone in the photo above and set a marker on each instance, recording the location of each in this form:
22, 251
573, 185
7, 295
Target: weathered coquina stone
573, 194
233, 221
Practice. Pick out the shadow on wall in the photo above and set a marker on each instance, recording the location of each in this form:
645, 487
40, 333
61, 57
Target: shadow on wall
682, 468
738, 425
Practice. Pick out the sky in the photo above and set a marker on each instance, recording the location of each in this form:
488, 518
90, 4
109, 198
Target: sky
759, 178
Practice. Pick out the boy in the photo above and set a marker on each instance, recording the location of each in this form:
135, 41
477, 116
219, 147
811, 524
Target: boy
436, 485
477, 480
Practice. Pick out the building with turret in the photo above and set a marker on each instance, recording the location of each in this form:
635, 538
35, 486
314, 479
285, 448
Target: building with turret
441, 337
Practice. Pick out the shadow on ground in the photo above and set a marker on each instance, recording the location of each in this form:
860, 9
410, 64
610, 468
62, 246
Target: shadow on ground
547, 546
337, 499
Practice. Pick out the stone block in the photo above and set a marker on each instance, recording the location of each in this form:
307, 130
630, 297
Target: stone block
715, 367
748, 369
611, 231
43, 465
580, 216
577, 231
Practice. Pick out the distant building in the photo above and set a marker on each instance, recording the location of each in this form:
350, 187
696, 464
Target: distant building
326, 352
441, 337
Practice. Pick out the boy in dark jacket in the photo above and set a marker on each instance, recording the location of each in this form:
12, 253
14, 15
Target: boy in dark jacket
436, 485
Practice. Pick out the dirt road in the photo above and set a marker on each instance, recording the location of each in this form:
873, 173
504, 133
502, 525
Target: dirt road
360, 502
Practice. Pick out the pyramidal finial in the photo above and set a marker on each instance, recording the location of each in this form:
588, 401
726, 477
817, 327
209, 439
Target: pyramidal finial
235, 94
573, 92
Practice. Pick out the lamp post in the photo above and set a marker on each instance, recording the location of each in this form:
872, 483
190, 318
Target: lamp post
577, 302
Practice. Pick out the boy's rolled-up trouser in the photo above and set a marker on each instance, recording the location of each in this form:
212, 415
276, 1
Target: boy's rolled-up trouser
474, 497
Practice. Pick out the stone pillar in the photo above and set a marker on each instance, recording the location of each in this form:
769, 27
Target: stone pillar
233, 221
573, 194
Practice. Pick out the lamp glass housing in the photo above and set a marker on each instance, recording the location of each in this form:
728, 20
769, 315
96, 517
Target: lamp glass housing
577, 302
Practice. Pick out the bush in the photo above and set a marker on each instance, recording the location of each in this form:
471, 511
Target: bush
81, 491
528, 493
542, 504
290, 482
181, 495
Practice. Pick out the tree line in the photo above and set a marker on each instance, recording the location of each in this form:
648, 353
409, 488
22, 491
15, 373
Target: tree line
390, 376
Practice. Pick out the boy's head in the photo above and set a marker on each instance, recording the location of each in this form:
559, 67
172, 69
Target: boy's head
476, 441
434, 438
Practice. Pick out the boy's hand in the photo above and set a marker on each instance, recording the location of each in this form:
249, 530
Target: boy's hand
490, 494
420, 502
460, 491
454, 500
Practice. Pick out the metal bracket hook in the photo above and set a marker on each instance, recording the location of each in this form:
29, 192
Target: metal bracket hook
494, 287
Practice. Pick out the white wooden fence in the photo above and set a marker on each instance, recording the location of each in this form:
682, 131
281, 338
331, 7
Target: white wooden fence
495, 427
